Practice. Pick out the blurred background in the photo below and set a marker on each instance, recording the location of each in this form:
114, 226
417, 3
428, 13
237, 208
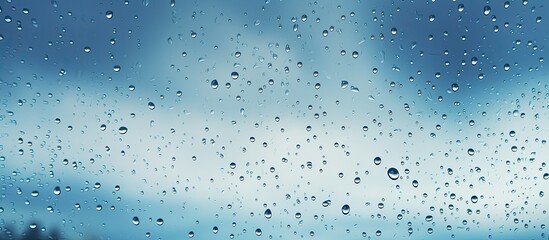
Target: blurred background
275, 119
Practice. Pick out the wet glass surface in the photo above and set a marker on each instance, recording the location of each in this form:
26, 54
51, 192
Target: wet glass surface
273, 119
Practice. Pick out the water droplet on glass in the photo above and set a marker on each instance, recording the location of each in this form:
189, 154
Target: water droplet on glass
393, 173
214, 84
268, 214
108, 14
87, 49
455, 87
258, 232
151, 106
159, 221
344, 84
345, 209
135, 221
474, 199
471, 151
377, 160
326, 203
487, 10
234, 75
122, 130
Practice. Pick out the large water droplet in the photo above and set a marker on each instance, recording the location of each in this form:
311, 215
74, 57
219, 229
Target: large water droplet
393, 173
151, 106
214, 84
122, 130
268, 214
159, 221
344, 84
471, 151
135, 221
487, 10
345, 209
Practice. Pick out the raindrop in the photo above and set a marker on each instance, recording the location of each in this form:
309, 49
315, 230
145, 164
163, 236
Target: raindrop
471, 151
393, 173
135, 221
122, 130
268, 214
474, 199
87, 49
455, 87
108, 14
234, 75
345, 209
214, 84
377, 160
487, 10
151, 106
159, 221
258, 232
344, 84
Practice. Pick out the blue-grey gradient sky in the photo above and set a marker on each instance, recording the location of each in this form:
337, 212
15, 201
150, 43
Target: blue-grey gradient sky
236, 107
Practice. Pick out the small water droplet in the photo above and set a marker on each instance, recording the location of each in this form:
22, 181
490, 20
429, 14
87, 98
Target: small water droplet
108, 14
258, 232
159, 221
377, 160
